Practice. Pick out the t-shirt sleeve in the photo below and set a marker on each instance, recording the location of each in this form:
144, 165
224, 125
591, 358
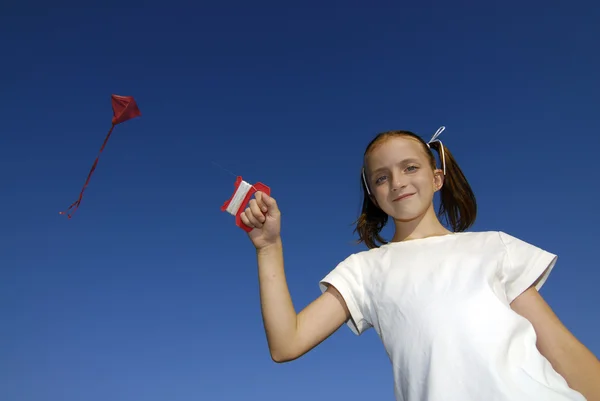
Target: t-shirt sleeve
348, 279
524, 265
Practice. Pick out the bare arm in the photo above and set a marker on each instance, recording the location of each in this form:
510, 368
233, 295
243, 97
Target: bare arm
568, 356
291, 335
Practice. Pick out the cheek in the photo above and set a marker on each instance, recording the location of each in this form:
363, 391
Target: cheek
379, 195
424, 182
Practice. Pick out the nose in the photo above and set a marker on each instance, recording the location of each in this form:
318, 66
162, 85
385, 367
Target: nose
398, 182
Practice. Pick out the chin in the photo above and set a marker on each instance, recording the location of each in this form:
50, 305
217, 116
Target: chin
406, 216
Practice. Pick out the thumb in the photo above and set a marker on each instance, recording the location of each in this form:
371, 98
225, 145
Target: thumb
271, 203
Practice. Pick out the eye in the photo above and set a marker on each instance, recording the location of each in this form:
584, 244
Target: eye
380, 179
412, 169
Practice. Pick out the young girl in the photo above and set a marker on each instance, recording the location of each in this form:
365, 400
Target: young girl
459, 313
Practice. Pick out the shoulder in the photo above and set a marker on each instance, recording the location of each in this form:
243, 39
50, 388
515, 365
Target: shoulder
471, 242
348, 279
354, 271
490, 238
508, 243
493, 236
364, 258
518, 264
526, 265
518, 248
352, 265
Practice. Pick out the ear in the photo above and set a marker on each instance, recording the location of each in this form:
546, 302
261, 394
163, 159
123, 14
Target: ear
438, 180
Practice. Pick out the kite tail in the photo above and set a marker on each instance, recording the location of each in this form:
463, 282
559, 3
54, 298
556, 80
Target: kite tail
75, 204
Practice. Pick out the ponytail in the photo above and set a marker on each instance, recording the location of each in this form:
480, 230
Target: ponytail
457, 201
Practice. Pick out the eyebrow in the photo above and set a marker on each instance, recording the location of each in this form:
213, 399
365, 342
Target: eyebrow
405, 161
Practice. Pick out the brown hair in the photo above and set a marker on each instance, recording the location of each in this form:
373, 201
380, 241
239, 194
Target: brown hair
457, 200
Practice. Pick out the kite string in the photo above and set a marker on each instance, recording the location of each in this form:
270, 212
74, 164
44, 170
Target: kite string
227, 171
223, 168
87, 181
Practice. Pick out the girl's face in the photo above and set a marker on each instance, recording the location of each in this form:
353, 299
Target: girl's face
401, 179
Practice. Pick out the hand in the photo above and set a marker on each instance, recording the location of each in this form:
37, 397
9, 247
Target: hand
264, 217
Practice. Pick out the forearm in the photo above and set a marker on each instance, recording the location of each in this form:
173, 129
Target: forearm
577, 364
279, 315
568, 356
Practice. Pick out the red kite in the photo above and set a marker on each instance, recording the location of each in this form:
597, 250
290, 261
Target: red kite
124, 108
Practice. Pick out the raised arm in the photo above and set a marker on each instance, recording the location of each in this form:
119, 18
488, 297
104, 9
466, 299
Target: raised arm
289, 334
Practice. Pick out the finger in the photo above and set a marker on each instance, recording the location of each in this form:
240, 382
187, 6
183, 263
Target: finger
252, 218
245, 220
256, 211
261, 202
271, 204
245, 216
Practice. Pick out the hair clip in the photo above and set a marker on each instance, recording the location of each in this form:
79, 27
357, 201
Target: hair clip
434, 139
365, 181
240, 198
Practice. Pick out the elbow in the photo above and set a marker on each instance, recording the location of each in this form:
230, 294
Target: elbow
286, 350
282, 357
278, 359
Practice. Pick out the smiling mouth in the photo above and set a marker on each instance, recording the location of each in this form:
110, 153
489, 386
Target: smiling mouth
403, 197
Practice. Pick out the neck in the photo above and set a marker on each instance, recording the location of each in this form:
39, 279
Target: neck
426, 225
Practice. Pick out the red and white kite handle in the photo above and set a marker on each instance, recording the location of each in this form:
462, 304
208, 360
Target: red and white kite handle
240, 198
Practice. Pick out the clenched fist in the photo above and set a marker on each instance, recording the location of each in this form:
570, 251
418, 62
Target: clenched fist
264, 217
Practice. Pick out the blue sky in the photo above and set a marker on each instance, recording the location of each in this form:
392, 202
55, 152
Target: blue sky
150, 291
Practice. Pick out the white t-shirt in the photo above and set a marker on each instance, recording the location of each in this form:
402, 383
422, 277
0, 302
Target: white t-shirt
441, 306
